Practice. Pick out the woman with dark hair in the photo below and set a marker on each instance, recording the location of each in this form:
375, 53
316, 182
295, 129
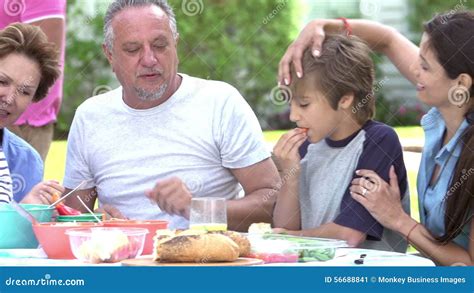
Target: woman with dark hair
442, 68
28, 68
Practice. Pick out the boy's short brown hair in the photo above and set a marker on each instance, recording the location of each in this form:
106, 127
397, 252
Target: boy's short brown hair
29, 40
344, 67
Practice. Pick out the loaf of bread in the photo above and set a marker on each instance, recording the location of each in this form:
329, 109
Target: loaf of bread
196, 248
240, 240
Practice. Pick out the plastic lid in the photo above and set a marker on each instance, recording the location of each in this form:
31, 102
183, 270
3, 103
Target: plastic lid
79, 218
295, 242
106, 230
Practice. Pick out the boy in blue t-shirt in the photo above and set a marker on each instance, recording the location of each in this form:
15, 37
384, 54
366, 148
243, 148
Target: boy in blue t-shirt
333, 106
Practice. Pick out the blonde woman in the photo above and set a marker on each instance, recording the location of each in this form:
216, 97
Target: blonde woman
28, 68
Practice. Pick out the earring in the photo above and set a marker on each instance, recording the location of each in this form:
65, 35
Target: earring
459, 95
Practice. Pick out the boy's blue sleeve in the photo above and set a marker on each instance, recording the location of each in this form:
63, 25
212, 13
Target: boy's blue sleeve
304, 148
381, 150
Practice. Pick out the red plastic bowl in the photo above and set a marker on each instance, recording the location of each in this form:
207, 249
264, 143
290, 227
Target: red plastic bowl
151, 225
54, 240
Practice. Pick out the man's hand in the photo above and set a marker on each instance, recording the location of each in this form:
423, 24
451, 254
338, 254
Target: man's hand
172, 196
110, 212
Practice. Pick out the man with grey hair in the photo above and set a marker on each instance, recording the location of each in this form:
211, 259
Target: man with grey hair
164, 135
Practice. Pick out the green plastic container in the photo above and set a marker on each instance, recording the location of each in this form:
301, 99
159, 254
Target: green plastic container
16, 231
278, 248
79, 218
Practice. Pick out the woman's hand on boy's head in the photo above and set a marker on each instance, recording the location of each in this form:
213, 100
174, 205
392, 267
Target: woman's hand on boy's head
43, 192
380, 198
312, 36
286, 151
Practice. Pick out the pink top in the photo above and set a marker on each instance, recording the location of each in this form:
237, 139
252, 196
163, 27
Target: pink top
28, 11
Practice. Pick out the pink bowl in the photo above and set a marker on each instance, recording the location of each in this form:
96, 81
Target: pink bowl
151, 225
54, 240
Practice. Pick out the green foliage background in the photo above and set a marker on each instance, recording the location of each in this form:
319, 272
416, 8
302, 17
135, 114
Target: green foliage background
240, 42
423, 10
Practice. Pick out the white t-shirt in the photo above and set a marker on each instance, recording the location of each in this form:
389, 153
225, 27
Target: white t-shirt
198, 134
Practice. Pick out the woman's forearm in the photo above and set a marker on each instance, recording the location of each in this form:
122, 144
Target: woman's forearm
449, 254
376, 35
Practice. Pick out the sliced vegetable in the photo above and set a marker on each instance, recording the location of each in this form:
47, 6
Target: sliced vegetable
308, 249
55, 197
316, 254
64, 210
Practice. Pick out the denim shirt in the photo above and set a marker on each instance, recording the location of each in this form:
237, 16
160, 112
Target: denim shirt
432, 199
25, 164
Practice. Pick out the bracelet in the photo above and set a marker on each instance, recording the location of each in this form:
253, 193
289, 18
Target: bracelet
347, 26
411, 230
